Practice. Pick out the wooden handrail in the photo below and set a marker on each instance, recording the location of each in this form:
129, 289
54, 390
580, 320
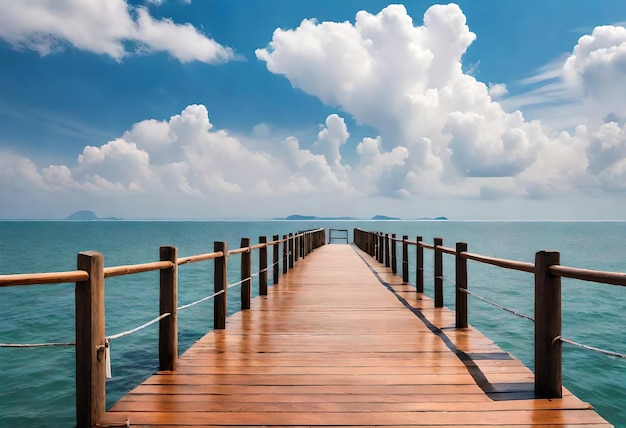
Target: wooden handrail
423, 244
547, 272
240, 250
43, 278
447, 250
138, 268
90, 318
503, 263
199, 258
611, 278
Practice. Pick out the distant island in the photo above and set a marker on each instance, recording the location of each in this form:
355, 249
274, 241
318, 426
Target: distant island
384, 217
312, 217
377, 217
432, 218
88, 216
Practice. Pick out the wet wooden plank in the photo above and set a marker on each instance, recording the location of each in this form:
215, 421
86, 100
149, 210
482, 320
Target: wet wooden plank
330, 345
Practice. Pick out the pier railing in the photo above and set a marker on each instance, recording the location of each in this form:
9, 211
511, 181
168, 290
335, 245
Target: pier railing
92, 344
547, 306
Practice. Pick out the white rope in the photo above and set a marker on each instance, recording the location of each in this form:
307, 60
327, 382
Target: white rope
589, 348
274, 264
181, 308
519, 314
141, 327
423, 268
108, 338
237, 283
36, 345
449, 280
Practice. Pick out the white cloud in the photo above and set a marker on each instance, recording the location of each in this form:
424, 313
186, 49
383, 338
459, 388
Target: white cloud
407, 81
185, 157
441, 130
585, 86
597, 68
102, 27
183, 42
497, 90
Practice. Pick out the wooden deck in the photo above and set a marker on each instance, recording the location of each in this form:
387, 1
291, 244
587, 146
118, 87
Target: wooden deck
332, 345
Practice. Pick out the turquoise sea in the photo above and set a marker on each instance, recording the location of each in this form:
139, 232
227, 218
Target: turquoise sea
37, 385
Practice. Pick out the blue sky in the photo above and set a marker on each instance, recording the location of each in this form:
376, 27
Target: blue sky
258, 109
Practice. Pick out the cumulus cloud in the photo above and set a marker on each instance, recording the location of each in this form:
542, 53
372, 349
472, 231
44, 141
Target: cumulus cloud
102, 27
584, 86
186, 157
407, 81
497, 90
441, 132
597, 69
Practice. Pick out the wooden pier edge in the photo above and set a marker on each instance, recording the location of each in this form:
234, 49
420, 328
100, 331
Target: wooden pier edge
342, 341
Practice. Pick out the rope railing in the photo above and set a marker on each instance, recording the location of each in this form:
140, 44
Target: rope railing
423, 268
37, 345
204, 299
547, 273
136, 329
234, 284
589, 348
90, 322
504, 308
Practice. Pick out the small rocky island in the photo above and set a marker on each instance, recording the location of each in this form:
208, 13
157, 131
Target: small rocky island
88, 216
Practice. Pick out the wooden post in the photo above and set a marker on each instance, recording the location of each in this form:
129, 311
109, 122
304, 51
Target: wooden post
381, 246
246, 272
285, 246
394, 254
548, 376
419, 261
303, 239
296, 247
263, 267
461, 284
405, 260
291, 255
220, 284
90, 343
387, 252
374, 245
275, 250
168, 301
438, 273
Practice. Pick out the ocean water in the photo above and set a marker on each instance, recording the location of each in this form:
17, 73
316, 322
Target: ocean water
37, 385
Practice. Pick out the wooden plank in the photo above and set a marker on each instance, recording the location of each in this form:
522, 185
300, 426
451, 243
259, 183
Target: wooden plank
333, 346
373, 418
219, 404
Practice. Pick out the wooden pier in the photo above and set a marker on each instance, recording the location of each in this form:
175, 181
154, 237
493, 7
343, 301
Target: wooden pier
340, 341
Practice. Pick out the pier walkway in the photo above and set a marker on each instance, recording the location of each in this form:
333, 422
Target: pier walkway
341, 342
